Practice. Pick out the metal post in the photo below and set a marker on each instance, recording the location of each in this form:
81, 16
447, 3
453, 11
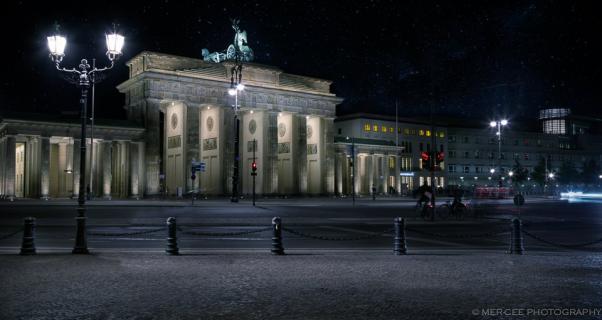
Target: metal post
433, 157
81, 245
236, 152
253, 173
516, 242
172, 237
91, 195
399, 242
499, 154
277, 247
353, 165
28, 246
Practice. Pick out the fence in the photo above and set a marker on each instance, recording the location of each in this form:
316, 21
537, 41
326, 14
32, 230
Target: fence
397, 232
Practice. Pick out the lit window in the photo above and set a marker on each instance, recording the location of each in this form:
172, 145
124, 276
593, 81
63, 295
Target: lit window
441, 134
421, 132
375, 128
391, 162
390, 129
383, 129
428, 133
366, 127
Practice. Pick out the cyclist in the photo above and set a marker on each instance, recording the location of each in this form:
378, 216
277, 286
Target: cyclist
425, 195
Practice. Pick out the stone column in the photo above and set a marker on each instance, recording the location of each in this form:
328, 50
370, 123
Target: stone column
192, 152
301, 152
135, 170
44, 167
358, 171
270, 152
369, 165
76, 172
384, 160
106, 169
10, 158
328, 157
152, 143
339, 158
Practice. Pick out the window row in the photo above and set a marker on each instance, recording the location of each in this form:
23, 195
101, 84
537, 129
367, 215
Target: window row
368, 127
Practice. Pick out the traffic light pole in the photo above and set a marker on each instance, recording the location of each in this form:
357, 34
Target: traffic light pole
433, 158
193, 177
353, 169
254, 168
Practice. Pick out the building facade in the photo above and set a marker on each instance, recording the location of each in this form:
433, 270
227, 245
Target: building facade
387, 153
180, 113
285, 120
40, 158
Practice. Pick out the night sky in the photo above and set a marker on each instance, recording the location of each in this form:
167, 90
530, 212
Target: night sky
468, 59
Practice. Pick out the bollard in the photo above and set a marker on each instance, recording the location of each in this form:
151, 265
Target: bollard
28, 246
516, 240
277, 247
399, 242
172, 237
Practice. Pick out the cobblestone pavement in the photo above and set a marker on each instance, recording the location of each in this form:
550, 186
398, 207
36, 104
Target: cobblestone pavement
300, 285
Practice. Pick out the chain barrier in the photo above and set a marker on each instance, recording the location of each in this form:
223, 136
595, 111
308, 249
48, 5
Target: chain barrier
122, 234
311, 236
222, 234
562, 245
12, 234
459, 236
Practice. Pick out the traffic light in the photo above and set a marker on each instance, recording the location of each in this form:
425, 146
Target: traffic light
254, 168
440, 157
426, 160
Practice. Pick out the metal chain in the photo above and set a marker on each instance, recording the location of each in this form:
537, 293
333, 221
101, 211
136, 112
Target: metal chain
4, 237
222, 234
459, 236
121, 234
556, 244
311, 236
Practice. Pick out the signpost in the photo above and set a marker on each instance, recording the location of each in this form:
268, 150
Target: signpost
196, 166
254, 169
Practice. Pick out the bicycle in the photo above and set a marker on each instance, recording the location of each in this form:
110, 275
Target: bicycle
425, 210
456, 209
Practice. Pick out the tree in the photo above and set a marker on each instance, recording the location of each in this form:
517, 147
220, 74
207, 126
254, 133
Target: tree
539, 172
519, 173
568, 174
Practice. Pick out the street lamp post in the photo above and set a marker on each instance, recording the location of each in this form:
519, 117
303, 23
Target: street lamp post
499, 124
236, 86
83, 78
352, 169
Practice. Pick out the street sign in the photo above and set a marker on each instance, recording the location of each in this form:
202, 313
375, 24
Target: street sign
198, 166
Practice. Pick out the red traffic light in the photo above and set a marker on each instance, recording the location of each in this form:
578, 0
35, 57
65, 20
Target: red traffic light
440, 156
425, 156
254, 166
